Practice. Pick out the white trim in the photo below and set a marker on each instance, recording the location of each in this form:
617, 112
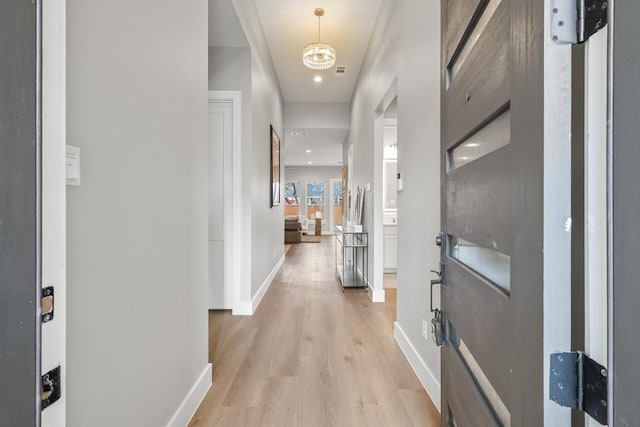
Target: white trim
377, 237
193, 399
237, 275
425, 375
255, 302
243, 308
247, 308
376, 295
54, 218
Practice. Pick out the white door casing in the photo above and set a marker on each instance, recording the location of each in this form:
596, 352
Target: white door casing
233, 277
54, 198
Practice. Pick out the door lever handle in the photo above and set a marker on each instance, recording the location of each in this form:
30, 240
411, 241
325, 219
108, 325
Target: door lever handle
437, 281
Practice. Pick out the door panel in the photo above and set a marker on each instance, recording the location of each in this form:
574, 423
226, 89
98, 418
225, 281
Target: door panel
459, 14
20, 192
466, 402
479, 201
481, 87
501, 172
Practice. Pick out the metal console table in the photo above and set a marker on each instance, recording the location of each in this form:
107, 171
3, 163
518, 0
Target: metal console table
352, 261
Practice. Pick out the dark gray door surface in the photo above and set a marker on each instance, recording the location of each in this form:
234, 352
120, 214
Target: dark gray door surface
19, 213
494, 202
624, 199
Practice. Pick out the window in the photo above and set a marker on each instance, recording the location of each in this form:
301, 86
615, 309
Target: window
315, 200
337, 193
291, 198
337, 201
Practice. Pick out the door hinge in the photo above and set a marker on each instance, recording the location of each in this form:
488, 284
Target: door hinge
50, 387
577, 381
574, 21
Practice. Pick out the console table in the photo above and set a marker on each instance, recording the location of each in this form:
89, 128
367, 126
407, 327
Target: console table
352, 261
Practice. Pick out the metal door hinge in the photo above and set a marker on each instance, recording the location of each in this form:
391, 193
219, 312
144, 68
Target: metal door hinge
50, 387
577, 381
574, 21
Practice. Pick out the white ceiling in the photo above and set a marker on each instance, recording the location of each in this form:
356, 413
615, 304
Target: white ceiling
288, 26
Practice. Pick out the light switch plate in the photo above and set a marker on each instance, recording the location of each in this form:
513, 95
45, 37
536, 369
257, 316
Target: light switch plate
72, 163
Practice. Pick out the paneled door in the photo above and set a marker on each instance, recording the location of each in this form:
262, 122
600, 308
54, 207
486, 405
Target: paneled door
220, 200
505, 212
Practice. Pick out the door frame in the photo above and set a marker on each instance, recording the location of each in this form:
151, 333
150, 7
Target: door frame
54, 189
233, 242
378, 293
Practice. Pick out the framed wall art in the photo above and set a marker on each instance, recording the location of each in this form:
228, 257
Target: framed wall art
275, 168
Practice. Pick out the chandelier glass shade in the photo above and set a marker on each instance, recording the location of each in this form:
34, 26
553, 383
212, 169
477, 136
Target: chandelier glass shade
319, 55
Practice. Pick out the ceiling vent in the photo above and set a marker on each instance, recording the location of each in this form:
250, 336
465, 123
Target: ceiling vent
298, 133
341, 70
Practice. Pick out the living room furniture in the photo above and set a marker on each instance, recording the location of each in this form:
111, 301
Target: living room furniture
352, 255
292, 230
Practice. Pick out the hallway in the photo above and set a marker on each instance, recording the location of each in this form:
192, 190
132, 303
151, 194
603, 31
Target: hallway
311, 356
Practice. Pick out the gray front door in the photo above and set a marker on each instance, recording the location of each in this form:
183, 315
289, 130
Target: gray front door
623, 210
505, 211
19, 214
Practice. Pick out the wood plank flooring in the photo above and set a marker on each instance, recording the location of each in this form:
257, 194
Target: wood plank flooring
311, 356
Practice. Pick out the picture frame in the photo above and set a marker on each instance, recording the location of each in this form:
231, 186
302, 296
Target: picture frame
274, 142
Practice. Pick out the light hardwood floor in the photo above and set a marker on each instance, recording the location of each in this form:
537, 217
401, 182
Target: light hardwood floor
311, 356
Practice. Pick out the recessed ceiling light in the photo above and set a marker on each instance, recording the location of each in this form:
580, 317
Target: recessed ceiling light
317, 79
308, 151
309, 162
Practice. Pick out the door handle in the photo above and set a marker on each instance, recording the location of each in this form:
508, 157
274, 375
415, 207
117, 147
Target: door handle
437, 324
438, 281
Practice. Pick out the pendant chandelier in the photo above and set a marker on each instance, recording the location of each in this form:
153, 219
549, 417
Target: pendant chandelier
319, 55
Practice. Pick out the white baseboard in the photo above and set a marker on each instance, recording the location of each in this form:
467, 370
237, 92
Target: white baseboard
425, 375
247, 308
376, 295
193, 399
243, 308
255, 302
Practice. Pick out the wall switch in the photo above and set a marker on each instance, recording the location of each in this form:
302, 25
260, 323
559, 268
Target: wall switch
72, 165
425, 330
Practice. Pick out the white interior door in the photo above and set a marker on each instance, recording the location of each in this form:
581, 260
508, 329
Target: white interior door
220, 193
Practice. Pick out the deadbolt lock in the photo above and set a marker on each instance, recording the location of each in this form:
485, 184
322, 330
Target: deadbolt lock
47, 304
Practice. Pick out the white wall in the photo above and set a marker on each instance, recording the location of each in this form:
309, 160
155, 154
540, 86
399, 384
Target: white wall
316, 115
137, 226
267, 108
304, 174
403, 47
